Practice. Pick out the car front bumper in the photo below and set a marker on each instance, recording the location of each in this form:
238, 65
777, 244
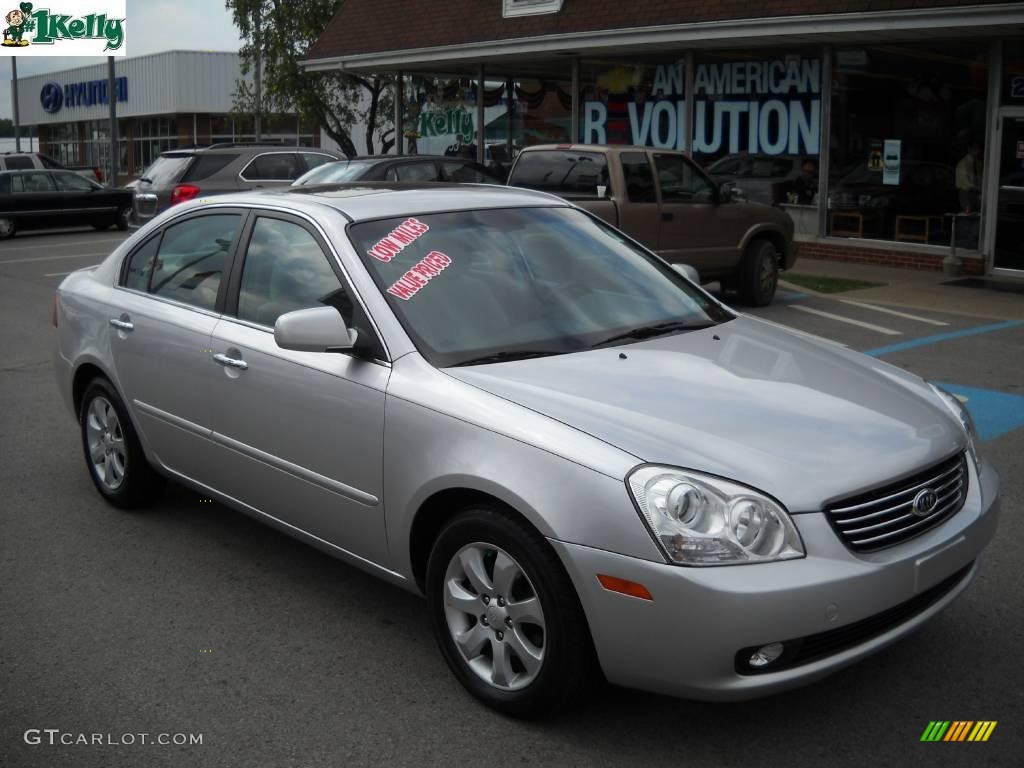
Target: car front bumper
684, 642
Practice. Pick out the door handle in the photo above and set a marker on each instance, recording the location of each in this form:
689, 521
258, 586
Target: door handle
667, 216
231, 362
122, 323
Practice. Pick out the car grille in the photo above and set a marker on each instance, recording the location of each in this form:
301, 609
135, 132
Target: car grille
811, 648
885, 517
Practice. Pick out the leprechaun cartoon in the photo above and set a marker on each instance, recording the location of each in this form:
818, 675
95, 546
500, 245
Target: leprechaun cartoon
19, 21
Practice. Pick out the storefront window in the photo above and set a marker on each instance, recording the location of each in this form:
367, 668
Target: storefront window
633, 103
908, 127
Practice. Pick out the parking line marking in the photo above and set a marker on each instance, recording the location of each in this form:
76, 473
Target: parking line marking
850, 320
51, 258
51, 246
925, 340
61, 274
888, 311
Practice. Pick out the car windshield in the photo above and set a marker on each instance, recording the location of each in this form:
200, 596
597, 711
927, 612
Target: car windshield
332, 173
489, 285
165, 170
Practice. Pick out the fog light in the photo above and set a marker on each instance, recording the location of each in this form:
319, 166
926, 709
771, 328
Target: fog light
765, 655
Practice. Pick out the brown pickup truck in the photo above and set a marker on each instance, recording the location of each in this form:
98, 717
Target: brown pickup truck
665, 201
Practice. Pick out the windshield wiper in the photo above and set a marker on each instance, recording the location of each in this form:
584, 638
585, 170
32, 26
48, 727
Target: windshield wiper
650, 331
504, 357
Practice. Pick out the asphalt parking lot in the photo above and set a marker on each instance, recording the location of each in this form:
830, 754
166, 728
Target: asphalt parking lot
192, 618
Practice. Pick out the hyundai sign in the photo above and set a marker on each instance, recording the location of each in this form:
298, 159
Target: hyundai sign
53, 96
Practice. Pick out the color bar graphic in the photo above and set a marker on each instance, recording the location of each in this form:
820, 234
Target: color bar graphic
958, 730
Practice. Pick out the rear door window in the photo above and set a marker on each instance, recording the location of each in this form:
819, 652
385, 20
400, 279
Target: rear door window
192, 257
277, 166
30, 183
563, 172
204, 166
315, 159
636, 169
19, 163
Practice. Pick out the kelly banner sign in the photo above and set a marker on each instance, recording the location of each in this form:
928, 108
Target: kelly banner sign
63, 28
769, 107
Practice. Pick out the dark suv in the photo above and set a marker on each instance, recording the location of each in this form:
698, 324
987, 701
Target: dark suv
183, 174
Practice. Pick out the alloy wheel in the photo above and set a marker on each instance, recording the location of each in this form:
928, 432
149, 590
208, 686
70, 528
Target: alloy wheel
494, 616
105, 438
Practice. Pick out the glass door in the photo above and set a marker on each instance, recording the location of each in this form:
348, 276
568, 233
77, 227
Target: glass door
1008, 250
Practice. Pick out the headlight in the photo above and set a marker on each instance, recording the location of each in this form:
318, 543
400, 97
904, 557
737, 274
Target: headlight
961, 412
702, 520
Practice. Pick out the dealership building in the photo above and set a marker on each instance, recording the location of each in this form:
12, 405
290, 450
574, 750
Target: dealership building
892, 131
164, 101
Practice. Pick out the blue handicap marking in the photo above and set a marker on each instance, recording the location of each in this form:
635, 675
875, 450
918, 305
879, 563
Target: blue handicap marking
994, 413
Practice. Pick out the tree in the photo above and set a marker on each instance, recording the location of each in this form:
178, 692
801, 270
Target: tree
335, 100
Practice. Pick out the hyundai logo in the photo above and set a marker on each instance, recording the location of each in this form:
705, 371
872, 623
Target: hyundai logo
925, 502
51, 97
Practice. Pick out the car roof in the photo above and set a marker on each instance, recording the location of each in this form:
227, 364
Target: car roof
365, 201
403, 158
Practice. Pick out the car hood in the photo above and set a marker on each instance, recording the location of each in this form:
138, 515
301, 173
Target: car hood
792, 415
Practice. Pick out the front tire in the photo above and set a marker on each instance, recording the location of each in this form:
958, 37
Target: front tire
506, 616
113, 454
759, 274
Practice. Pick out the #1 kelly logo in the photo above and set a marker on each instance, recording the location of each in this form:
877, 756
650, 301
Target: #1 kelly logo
25, 26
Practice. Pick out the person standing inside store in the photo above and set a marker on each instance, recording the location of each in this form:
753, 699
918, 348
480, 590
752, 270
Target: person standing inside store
968, 179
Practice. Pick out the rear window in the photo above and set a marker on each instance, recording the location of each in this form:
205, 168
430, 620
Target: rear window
563, 172
276, 166
19, 163
204, 166
166, 169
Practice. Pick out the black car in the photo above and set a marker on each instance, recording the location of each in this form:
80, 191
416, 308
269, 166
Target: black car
59, 198
417, 168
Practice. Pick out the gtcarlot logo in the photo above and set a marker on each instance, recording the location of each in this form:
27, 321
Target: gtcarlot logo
55, 736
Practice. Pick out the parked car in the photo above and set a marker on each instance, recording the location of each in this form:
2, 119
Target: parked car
666, 202
184, 174
414, 168
493, 398
58, 198
23, 161
764, 179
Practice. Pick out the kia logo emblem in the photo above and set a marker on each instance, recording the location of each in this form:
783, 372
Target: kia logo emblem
51, 97
925, 502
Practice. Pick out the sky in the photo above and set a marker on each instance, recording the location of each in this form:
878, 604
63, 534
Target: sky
151, 26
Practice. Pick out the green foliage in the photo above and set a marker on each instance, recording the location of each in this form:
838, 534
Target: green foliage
287, 29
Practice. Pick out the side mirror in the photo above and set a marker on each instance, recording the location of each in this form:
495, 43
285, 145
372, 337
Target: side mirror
319, 329
688, 272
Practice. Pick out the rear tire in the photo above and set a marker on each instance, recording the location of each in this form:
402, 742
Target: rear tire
498, 586
115, 459
7, 228
758, 276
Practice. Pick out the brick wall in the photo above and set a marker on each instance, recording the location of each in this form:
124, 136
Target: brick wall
884, 257
367, 26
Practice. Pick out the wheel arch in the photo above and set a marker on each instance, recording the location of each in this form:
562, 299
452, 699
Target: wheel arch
441, 506
85, 371
766, 232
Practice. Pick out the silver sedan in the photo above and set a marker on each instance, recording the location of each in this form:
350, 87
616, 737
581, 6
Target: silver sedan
485, 395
